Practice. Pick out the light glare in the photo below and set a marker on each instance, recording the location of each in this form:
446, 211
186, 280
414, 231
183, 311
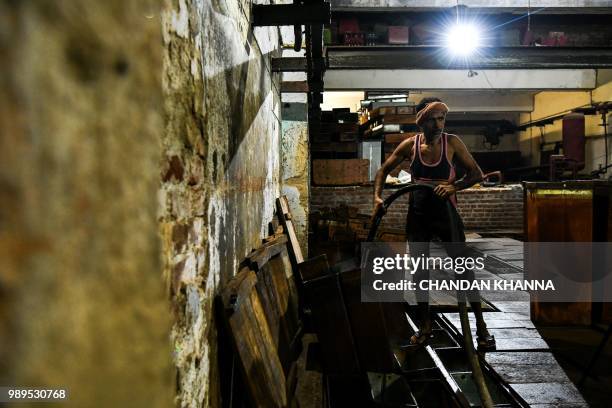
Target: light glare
463, 39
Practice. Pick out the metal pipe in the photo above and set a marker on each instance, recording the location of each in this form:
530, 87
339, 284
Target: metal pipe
297, 38
481, 386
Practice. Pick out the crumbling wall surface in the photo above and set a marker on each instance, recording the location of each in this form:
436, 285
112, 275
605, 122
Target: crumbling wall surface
82, 301
220, 170
295, 168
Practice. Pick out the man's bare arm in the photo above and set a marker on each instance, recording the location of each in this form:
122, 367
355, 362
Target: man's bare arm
402, 151
474, 173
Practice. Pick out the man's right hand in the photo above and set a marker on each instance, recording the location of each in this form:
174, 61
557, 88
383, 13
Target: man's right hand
378, 206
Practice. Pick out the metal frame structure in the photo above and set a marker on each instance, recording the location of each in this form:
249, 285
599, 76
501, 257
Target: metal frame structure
429, 57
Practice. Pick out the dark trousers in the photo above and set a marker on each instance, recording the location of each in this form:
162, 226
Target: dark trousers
429, 217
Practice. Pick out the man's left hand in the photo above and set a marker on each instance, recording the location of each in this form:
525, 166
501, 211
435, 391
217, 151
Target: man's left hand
445, 190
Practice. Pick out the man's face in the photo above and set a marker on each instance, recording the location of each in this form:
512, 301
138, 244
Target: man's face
434, 125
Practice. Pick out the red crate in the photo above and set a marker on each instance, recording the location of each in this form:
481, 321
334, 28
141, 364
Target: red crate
348, 25
354, 39
398, 35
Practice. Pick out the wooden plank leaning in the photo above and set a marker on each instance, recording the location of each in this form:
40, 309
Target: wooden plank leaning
279, 296
253, 340
284, 215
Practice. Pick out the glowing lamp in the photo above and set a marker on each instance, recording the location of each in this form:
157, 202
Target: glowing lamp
462, 39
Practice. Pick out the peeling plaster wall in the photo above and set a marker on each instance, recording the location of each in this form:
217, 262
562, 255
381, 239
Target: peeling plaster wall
220, 172
295, 167
82, 302
139, 164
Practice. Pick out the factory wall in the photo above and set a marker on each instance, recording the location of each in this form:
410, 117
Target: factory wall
139, 164
295, 167
295, 153
220, 169
550, 103
82, 304
477, 143
482, 209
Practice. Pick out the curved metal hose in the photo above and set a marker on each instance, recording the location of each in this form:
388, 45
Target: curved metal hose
483, 391
387, 203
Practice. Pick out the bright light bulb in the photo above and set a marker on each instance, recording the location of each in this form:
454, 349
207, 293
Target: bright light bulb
463, 39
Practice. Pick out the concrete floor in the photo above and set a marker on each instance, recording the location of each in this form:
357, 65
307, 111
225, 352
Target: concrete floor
573, 348
309, 387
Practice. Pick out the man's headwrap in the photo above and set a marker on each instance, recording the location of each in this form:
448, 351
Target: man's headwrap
424, 113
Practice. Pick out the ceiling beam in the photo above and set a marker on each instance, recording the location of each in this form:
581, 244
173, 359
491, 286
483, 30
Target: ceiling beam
294, 86
483, 101
419, 79
289, 64
290, 14
430, 57
547, 6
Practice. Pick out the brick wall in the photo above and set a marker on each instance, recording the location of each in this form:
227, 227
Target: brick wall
482, 209
220, 170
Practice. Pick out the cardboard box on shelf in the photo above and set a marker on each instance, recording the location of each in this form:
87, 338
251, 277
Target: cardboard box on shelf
340, 172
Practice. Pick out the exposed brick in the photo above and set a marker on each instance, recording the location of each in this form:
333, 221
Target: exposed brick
179, 236
481, 209
174, 170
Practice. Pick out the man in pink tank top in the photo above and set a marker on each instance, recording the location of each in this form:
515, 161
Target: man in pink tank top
431, 155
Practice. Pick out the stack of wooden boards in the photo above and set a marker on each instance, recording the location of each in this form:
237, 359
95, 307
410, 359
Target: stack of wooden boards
335, 150
264, 308
388, 117
349, 148
389, 124
261, 311
261, 314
